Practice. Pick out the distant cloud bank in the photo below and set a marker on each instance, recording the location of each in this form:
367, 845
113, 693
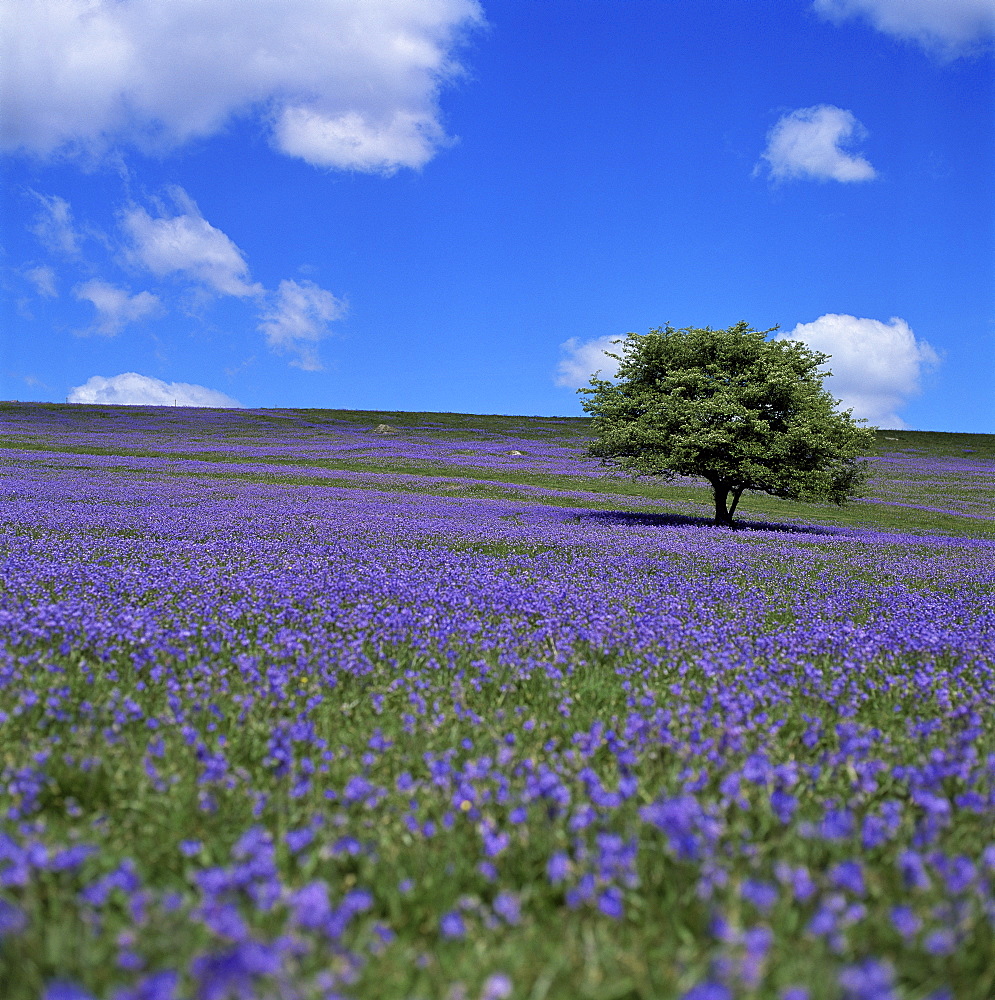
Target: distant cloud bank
947, 27
877, 367
349, 85
132, 389
810, 143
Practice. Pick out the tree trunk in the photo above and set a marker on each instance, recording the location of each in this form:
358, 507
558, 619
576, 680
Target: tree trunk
736, 494
723, 516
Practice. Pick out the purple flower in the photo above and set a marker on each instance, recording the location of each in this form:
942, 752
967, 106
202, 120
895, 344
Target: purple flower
508, 906
874, 832
496, 987
63, 989
940, 942
758, 769
784, 804
161, 985
798, 878
297, 840
763, 895
357, 901
71, 857
233, 971
959, 875
823, 922
708, 991
848, 875
226, 921
311, 906
905, 921
488, 869
687, 826
758, 940
610, 903
837, 824
495, 842
869, 980
12, 919
558, 867
451, 925
913, 870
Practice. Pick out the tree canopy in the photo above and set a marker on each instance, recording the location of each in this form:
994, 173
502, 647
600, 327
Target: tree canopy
731, 406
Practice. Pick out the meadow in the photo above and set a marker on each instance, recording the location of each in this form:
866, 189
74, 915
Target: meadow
293, 708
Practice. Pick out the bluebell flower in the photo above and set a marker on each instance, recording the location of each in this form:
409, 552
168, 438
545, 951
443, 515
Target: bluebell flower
558, 867
63, 989
496, 987
610, 903
763, 895
508, 906
451, 925
708, 991
13, 920
940, 942
905, 921
848, 875
869, 980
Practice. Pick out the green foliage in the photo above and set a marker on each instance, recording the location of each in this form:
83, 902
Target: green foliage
741, 411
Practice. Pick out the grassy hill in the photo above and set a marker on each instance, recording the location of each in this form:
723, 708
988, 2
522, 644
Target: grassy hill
923, 481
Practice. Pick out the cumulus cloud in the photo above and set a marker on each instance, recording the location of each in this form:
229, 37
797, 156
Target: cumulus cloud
351, 142
809, 142
43, 278
350, 84
116, 308
132, 389
188, 244
876, 366
297, 318
584, 358
54, 226
946, 27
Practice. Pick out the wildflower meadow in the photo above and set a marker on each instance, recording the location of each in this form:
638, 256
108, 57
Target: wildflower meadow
320, 704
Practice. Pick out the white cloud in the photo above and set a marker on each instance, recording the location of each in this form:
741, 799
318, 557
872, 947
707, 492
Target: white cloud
298, 319
809, 142
43, 278
584, 358
947, 27
54, 225
132, 389
115, 306
351, 84
188, 244
876, 366
350, 142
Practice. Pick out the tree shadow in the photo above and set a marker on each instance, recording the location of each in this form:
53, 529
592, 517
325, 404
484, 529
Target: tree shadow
681, 521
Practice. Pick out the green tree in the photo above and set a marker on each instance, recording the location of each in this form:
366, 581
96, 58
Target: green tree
731, 406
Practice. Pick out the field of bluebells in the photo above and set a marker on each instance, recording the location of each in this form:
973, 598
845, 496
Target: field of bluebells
290, 708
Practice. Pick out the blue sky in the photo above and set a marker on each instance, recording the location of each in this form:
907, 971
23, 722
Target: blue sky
446, 205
